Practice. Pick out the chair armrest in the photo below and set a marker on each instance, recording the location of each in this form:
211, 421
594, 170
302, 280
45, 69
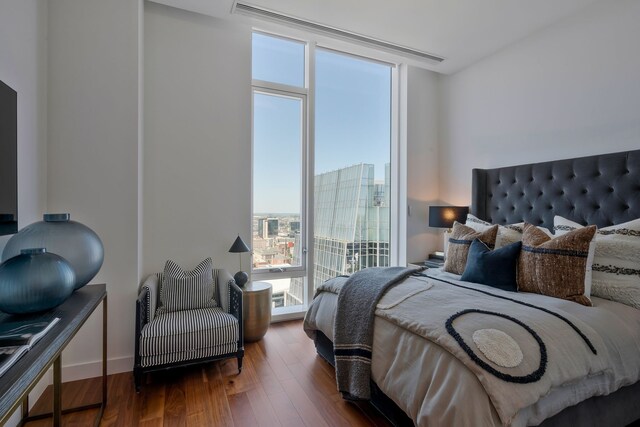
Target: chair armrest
142, 306
230, 298
223, 277
151, 285
235, 307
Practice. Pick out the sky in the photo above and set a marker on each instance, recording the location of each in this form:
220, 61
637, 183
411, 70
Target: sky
352, 119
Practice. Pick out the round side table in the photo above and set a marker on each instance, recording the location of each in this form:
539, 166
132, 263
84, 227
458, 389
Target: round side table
256, 310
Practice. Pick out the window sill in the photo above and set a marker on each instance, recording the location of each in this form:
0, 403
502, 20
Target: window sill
289, 313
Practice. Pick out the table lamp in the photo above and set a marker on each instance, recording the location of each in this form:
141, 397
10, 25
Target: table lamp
240, 247
444, 217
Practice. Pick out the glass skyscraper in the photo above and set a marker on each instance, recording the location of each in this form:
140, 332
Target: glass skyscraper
351, 224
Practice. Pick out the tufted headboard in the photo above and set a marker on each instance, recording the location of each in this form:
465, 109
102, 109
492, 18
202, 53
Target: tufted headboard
602, 190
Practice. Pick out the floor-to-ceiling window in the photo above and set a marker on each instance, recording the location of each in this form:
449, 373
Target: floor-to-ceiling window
352, 164
279, 167
322, 162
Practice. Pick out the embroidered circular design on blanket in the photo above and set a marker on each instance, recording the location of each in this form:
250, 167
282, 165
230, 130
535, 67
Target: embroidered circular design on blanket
498, 347
520, 379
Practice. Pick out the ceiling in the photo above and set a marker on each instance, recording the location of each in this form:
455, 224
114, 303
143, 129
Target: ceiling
461, 31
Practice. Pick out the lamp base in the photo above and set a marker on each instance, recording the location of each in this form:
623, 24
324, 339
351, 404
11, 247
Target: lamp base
241, 278
447, 234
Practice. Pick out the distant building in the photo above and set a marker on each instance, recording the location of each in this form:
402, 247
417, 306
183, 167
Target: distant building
268, 227
261, 226
294, 227
351, 225
273, 226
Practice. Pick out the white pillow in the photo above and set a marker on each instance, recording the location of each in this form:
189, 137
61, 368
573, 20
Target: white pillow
616, 264
507, 234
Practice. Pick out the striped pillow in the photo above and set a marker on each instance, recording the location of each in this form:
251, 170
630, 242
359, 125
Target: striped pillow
507, 234
187, 290
559, 267
459, 243
616, 264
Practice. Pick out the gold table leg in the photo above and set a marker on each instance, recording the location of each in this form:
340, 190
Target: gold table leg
57, 387
104, 361
57, 392
25, 407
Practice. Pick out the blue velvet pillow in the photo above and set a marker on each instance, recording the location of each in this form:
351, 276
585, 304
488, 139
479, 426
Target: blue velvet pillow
495, 268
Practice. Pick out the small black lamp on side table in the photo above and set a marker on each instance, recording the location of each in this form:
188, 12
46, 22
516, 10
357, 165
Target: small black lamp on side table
444, 217
240, 247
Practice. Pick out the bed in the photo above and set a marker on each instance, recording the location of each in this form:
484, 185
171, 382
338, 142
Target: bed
603, 190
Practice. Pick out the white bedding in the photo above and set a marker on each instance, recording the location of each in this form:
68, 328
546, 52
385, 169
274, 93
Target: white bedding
435, 388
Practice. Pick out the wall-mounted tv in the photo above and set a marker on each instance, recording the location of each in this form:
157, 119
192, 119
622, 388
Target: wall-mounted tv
8, 160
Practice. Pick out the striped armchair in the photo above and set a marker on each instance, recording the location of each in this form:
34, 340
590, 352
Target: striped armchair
186, 337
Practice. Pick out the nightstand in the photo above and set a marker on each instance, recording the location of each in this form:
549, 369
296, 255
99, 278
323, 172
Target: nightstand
415, 264
433, 263
429, 263
256, 310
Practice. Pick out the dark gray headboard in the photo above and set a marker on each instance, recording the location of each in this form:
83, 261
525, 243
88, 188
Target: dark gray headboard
602, 190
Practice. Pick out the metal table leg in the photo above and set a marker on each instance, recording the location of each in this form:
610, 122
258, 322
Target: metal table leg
57, 392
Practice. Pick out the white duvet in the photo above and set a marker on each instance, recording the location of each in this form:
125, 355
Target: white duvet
440, 385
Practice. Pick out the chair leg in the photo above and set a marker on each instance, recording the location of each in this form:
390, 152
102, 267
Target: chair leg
240, 363
137, 378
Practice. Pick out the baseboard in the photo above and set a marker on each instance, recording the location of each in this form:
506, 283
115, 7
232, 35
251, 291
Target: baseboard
284, 317
93, 369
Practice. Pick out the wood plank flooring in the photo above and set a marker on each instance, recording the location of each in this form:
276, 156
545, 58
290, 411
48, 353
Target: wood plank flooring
283, 383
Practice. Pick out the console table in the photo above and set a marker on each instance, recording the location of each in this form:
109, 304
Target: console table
18, 381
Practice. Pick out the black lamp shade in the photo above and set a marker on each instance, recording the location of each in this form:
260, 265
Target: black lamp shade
239, 246
445, 216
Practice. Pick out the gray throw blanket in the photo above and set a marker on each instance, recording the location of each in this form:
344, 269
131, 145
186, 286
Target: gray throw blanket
353, 333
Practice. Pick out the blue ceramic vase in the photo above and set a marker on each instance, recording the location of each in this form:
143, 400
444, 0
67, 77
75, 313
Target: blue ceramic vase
75, 242
34, 281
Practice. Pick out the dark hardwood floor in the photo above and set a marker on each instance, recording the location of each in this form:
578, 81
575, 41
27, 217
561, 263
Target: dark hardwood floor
283, 383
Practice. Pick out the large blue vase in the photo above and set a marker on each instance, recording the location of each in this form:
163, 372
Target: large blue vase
34, 281
75, 242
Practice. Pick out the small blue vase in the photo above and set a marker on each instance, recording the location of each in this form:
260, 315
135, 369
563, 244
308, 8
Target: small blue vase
34, 281
73, 241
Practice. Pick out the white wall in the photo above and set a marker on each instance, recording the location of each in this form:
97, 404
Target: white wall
197, 150
23, 66
570, 90
198, 141
93, 155
423, 98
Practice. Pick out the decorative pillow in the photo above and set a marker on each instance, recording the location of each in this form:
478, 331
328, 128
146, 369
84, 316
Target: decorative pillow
459, 242
616, 264
559, 267
507, 234
187, 290
495, 268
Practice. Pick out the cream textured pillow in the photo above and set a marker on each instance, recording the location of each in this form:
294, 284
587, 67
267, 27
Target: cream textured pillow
559, 267
460, 242
616, 264
507, 234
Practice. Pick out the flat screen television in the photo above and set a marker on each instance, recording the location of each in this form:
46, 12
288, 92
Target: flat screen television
8, 160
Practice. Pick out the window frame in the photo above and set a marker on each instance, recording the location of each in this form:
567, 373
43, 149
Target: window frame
398, 156
293, 271
302, 93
